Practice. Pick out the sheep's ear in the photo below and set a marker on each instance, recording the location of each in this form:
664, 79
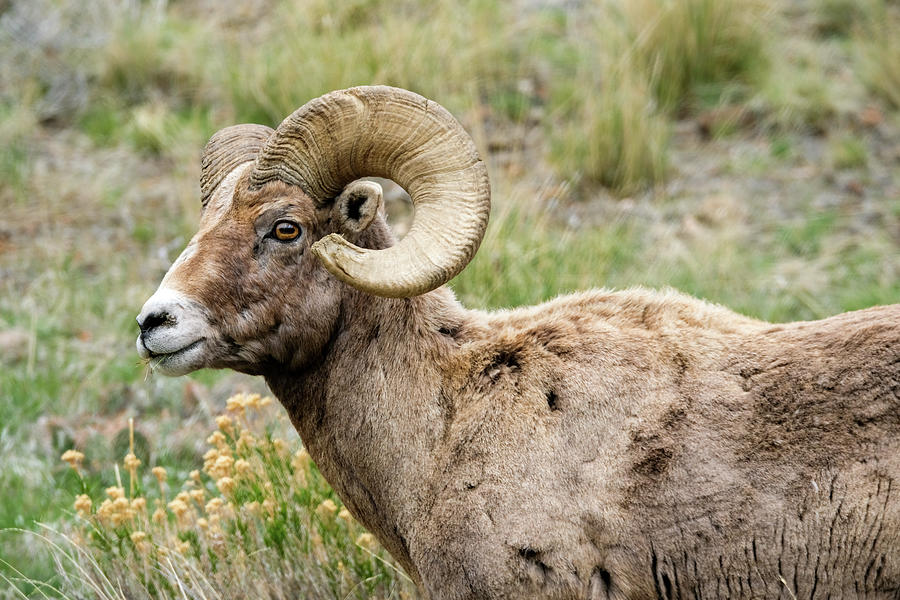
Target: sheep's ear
357, 206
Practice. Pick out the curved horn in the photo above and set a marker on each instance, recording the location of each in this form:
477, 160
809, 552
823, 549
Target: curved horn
393, 133
227, 149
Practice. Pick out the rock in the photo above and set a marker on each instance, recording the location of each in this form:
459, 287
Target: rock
871, 116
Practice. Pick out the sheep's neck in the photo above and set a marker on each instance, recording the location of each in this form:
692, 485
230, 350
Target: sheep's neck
372, 434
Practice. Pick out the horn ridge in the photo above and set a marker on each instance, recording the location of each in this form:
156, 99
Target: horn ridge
227, 149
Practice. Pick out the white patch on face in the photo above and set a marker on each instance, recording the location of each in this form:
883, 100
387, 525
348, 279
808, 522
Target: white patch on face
188, 252
174, 332
174, 328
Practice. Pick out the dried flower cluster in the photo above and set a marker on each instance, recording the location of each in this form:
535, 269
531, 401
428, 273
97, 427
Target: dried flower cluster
253, 502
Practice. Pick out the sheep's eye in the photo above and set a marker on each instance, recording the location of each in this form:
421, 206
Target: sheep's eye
285, 231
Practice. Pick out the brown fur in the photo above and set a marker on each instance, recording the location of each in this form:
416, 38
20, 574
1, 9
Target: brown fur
629, 444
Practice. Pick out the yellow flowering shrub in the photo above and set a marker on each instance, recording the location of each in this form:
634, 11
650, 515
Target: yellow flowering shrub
257, 520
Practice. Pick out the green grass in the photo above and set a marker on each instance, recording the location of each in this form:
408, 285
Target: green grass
849, 152
82, 255
617, 138
878, 51
794, 95
103, 122
529, 259
537, 261
459, 52
816, 81
699, 49
840, 17
79, 363
16, 121
632, 66
152, 54
807, 237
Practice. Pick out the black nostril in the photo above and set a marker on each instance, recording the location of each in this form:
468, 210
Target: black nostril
155, 320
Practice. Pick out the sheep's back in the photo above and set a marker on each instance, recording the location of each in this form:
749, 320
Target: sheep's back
680, 454
782, 463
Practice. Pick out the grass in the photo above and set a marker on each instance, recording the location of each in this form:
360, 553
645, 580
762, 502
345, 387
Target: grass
460, 52
878, 51
107, 110
698, 50
257, 517
849, 152
539, 261
633, 62
618, 138
840, 17
794, 96
151, 54
633, 66
15, 123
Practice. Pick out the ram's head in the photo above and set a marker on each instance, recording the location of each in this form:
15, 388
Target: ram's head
286, 225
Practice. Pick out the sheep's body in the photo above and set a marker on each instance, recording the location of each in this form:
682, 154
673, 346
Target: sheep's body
621, 445
603, 445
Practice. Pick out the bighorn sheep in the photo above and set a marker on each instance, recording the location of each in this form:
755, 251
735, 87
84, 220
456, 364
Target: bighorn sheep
626, 444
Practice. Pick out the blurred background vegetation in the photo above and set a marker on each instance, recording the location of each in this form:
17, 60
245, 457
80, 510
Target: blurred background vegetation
745, 151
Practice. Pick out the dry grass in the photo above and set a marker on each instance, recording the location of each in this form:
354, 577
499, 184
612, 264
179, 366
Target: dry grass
156, 72
879, 51
795, 96
698, 50
637, 63
615, 137
458, 52
840, 17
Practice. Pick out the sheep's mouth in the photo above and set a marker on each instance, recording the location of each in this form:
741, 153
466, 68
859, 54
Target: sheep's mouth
165, 355
177, 362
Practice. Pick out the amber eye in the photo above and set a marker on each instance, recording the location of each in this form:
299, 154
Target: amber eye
286, 231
